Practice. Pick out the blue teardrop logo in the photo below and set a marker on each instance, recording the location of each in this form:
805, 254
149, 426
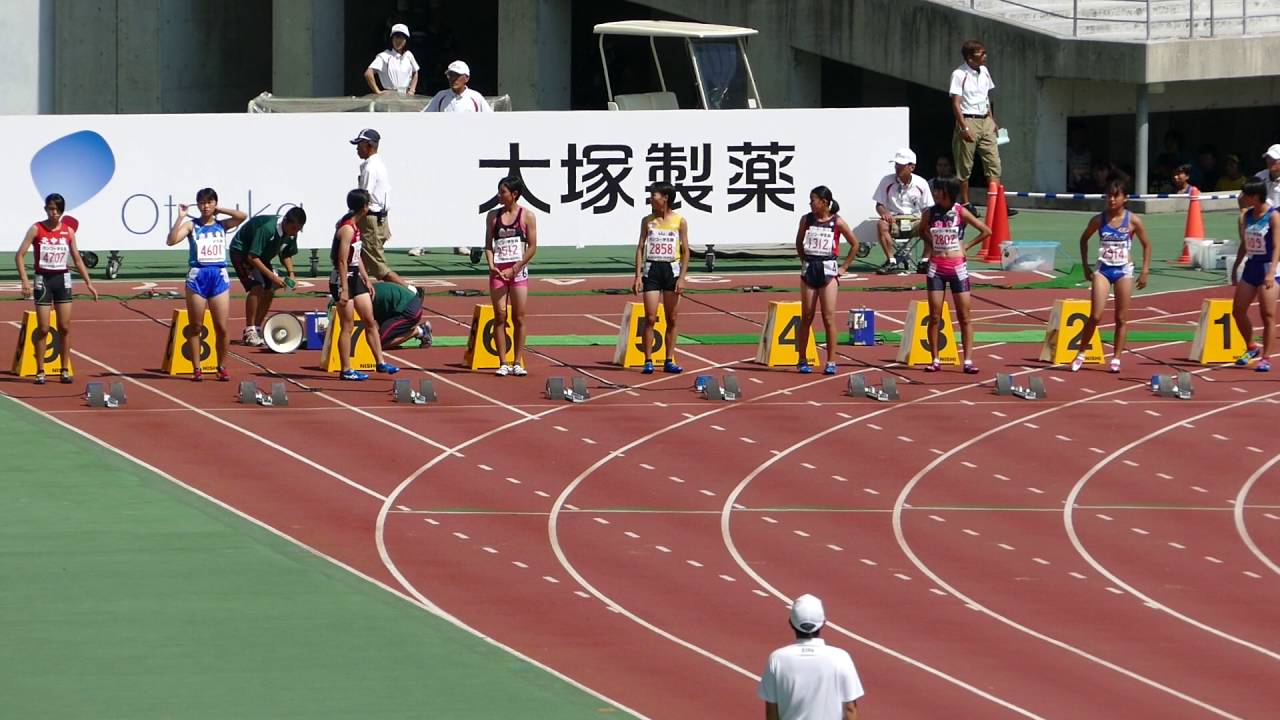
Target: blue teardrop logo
75, 166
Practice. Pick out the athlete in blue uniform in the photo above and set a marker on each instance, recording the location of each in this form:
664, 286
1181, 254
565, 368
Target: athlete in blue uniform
1259, 227
207, 282
1116, 227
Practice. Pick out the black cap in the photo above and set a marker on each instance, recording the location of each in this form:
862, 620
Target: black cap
368, 134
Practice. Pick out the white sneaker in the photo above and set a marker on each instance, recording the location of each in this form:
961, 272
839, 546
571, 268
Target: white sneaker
518, 370
252, 338
415, 252
503, 370
1077, 363
1114, 367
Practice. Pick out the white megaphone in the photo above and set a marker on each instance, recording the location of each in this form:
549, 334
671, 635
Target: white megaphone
283, 333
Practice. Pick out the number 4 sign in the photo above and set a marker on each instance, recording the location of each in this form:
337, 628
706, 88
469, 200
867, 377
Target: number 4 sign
1062, 336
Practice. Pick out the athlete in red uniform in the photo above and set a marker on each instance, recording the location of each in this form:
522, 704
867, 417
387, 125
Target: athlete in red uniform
54, 243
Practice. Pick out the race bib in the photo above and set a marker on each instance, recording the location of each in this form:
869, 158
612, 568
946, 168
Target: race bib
1255, 241
819, 241
211, 247
1114, 253
508, 249
53, 257
945, 239
660, 245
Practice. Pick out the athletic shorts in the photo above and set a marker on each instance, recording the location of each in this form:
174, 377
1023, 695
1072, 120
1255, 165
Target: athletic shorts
397, 325
1255, 273
818, 271
53, 288
660, 276
208, 281
521, 278
248, 274
947, 272
355, 285
1115, 273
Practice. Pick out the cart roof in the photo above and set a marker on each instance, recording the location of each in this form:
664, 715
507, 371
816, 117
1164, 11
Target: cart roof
671, 28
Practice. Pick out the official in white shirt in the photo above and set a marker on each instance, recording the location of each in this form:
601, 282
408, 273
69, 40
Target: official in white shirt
976, 126
375, 230
1271, 176
459, 97
899, 193
396, 68
808, 679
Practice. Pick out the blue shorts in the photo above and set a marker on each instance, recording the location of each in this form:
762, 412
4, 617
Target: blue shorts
1255, 273
208, 281
1115, 273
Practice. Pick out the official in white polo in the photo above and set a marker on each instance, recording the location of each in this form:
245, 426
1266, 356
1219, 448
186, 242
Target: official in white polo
375, 228
901, 192
396, 68
808, 679
458, 97
975, 116
1271, 175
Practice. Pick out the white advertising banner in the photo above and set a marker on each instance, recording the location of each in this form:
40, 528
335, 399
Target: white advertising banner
743, 176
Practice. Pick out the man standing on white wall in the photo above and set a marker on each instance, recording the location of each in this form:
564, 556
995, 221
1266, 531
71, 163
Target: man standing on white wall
375, 230
809, 680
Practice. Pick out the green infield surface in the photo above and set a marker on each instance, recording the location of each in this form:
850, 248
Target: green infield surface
123, 595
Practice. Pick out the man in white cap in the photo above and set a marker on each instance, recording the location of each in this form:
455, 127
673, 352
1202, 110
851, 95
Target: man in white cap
459, 97
900, 195
396, 68
375, 228
809, 680
1271, 176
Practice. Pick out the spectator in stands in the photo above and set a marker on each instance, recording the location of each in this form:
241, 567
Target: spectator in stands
1173, 154
1100, 172
396, 68
976, 126
1204, 174
1271, 175
1079, 159
458, 97
1231, 178
1181, 177
943, 167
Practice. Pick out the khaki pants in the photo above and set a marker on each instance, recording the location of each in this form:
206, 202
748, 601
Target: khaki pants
374, 234
983, 130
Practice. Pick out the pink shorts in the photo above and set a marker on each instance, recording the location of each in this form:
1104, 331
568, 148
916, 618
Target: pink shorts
521, 278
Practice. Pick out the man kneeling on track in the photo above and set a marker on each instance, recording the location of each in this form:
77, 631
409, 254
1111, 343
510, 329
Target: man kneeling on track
258, 241
398, 311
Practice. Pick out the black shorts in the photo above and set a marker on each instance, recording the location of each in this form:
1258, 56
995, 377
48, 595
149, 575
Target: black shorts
819, 271
397, 325
355, 285
50, 289
247, 273
660, 276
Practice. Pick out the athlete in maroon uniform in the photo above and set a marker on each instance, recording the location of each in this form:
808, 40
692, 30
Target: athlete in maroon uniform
818, 245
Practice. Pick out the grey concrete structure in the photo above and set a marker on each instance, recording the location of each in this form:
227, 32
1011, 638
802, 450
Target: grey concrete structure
306, 57
27, 75
533, 53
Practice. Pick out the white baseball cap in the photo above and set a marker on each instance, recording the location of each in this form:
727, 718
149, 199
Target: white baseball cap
459, 67
807, 614
400, 28
1273, 152
904, 156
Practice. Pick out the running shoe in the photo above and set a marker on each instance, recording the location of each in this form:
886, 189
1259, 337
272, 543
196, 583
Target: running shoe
223, 375
1249, 355
830, 369
803, 368
671, 367
197, 375
970, 369
518, 370
648, 367
1077, 363
503, 371
39, 378
1114, 366
353, 374
65, 377
1264, 365
934, 366
424, 333
889, 268
252, 338
387, 368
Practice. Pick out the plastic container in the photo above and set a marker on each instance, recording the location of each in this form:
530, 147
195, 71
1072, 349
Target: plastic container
1028, 255
1213, 254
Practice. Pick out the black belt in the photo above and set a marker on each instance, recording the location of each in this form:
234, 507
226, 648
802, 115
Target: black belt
977, 116
383, 213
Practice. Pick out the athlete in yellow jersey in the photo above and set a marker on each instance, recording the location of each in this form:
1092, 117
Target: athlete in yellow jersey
661, 254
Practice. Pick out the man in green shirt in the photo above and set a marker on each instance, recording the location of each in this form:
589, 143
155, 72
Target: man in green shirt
398, 311
259, 240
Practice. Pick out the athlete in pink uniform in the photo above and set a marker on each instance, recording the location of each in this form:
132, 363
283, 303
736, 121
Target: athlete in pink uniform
510, 242
942, 227
818, 245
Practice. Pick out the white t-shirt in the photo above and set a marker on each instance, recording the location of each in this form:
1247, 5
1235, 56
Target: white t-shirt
394, 69
468, 101
1273, 187
810, 680
374, 178
972, 86
911, 198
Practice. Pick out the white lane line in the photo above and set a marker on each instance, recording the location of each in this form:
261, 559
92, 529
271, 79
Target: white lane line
662, 549
431, 521
968, 464
1130, 463
694, 563
601, 520
1140, 531
581, 594
768, 519
550, 579
1037, 491
1177, 546
902, 576
728, 578
837, 548
972, 533
484, 467
998, 476
708, 493
1104, 517
675, 479
808, 466
866, 561
1213, 559
905, 439
489, 550
1152, 413
870, 491
1076, 575
747, 440
1004, 546
1117, 591
519, 564
1164, 476
462, 536
801, 533
937, 518
1216, 436
840, 479
1040, 561
1242, 529
631, 535
513, 481
1252, 574
646, 466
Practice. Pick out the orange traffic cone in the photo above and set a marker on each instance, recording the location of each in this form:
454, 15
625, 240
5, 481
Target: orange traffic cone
999, 228
993, 202
1194, 229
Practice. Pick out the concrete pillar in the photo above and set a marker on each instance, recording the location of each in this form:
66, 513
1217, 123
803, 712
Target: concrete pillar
1046, 138
306, 48
85, 57
1141, 140
533, 53
26, 79
785, 76
139, 46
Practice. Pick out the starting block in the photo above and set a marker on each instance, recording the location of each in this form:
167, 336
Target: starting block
711, 389
251, 395
1034, 389
1170, 386
576, 392
404, 393
97, 396
886, 391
